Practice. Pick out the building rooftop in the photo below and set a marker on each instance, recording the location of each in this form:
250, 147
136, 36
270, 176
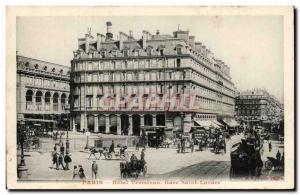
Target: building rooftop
43, 66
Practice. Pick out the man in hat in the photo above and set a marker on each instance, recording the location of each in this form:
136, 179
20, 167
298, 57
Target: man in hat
94, 170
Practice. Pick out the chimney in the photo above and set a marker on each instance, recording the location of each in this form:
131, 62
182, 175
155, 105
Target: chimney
100, 39
109, 34
145, 38
87, 42
198, 46
192, 41
182, 35
122, 37
131, 34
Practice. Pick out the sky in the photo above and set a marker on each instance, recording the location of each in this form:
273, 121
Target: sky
252, 46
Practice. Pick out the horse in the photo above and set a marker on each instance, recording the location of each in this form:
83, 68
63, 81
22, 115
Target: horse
94, 151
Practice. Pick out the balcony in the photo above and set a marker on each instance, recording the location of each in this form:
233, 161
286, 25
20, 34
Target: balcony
29, 106
47, 106
38, 107
55, 106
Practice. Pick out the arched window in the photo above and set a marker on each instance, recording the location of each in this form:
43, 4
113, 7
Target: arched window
55, 98
38, 96
47, 97
63, 98
29, 95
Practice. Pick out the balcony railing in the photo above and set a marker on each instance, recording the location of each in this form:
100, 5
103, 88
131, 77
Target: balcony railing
47, 106
55, 106
39, 106
29, 106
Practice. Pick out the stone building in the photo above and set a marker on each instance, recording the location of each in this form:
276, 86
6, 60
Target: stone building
43, 93
175, 70
258, 107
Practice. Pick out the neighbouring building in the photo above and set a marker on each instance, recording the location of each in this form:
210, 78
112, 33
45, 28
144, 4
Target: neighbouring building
43, 93
258, 107
172, 68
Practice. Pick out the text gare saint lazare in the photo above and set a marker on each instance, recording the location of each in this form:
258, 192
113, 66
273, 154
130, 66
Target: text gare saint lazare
152, 182
151, 102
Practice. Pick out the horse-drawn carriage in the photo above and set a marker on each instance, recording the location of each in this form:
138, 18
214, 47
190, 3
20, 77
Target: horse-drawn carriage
133, 169
217, 141
246, 158
201, 138
185, 143
119, 152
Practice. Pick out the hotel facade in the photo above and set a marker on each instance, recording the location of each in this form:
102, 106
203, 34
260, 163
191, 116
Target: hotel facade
43, 93
258, 107
176, 71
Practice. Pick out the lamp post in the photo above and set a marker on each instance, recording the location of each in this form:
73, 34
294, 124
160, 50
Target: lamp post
22, 169
67, 140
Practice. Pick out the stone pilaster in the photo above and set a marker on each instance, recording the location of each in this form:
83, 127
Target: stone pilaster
107, 130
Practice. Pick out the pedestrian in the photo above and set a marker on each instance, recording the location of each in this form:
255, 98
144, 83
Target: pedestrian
94, 170
55, 148
200, 145
178, 146
67, 160
81, 172
75, 172
278, 156
270, 146
183, 146
55, 158
62, 148
143, 155
112, 147
192, 146
60, 161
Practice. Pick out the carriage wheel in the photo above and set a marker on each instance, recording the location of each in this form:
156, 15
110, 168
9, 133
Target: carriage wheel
268, 165
109, 156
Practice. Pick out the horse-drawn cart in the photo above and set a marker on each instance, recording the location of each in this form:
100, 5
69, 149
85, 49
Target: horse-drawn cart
120, 152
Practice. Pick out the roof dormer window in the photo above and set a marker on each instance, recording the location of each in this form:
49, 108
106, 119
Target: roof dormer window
36, 66
53, 69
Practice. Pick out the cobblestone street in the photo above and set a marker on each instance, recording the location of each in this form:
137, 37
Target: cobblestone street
161, 163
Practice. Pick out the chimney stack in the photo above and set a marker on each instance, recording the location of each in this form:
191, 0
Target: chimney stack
100, 39
131, 34
145, 38
109, 34
122, 38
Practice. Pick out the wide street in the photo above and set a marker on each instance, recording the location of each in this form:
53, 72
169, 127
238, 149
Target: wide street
162, 163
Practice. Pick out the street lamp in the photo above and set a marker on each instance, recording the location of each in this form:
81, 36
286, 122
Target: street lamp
67, 140
22, 169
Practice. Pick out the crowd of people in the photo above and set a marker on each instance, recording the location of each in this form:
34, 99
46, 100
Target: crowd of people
61, 158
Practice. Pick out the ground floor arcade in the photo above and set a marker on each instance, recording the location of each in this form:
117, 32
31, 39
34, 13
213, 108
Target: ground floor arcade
129, 123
